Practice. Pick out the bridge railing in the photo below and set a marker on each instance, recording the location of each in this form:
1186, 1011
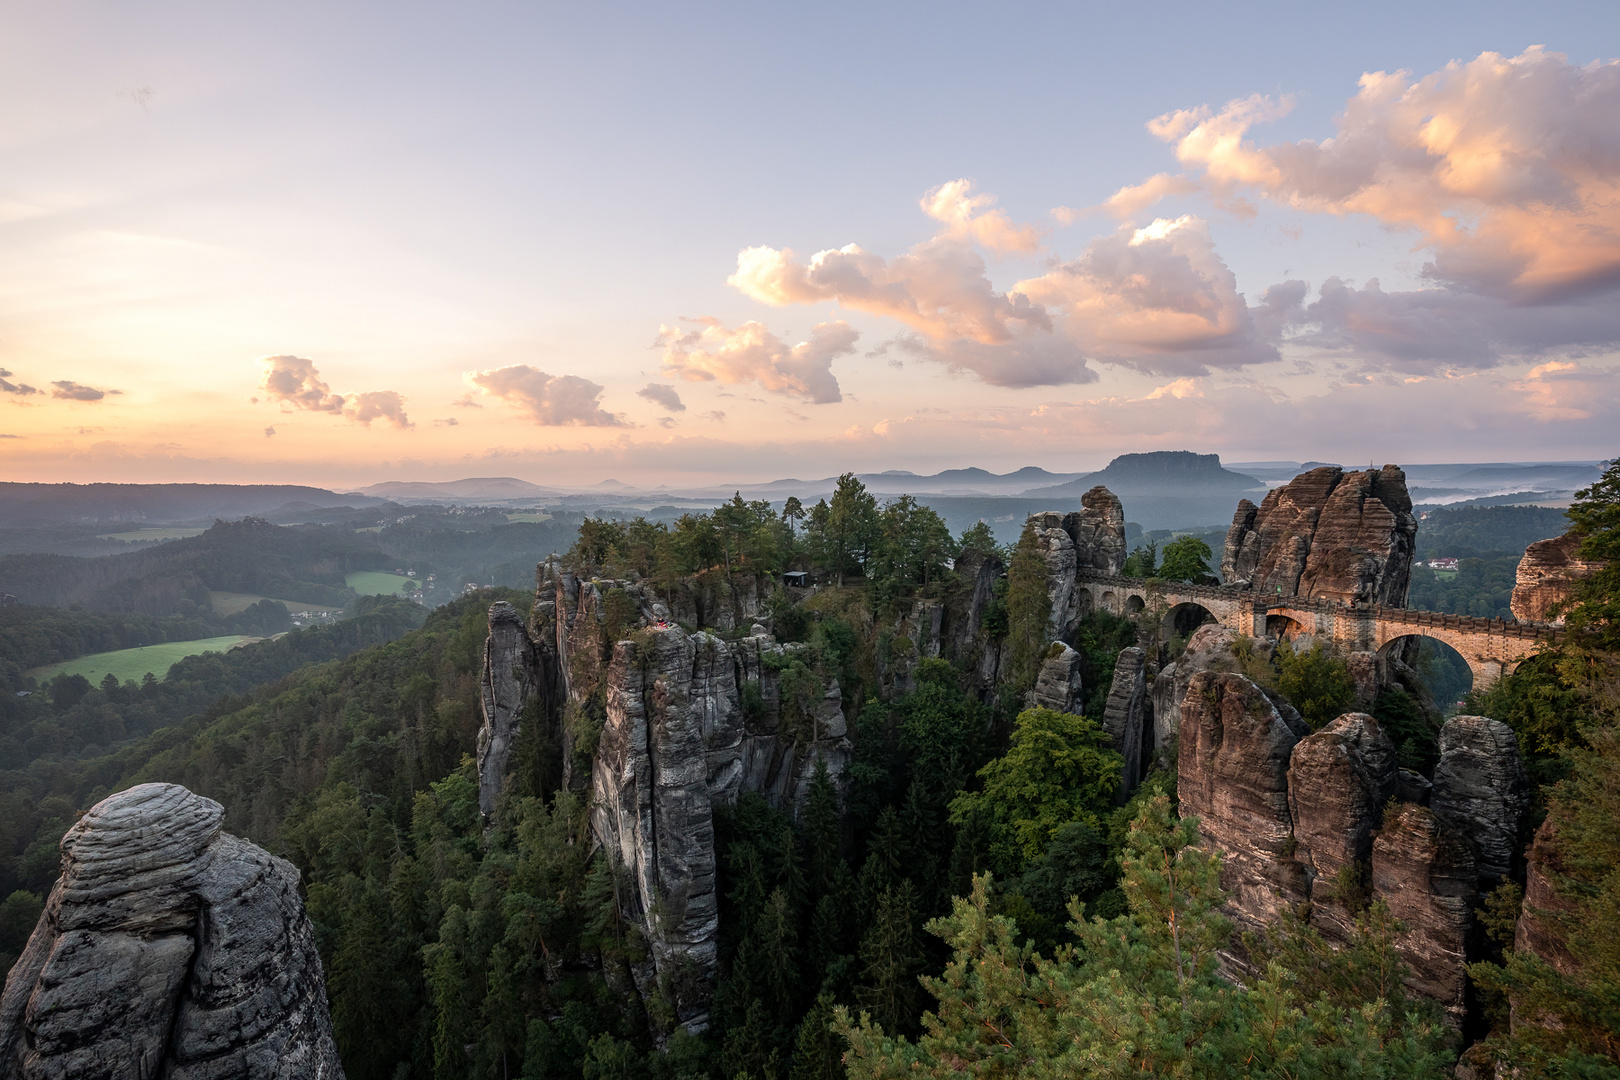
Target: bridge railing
1330, 606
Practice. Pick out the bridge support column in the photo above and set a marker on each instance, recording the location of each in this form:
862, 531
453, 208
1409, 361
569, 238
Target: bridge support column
1485, 672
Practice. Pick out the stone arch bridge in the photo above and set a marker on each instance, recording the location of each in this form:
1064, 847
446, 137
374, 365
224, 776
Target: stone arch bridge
1491, 647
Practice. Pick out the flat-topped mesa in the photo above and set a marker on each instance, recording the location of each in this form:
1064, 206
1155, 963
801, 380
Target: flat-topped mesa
1329, 534
167, 949
1547, 577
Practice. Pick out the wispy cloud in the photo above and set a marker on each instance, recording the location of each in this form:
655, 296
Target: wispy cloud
20, 389
68, 390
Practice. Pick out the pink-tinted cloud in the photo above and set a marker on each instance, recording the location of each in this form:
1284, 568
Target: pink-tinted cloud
1131, 201
711, 352
1508, 168
971, 217
664, 396
1158, 299
20, 389
295, 382
549, 400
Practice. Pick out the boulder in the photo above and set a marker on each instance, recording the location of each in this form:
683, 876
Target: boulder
1338, 782
1547, 576
1233, 777
167, 949
1424, 870
509, 678
1127, 715
1480, 788
1327, 533
1058, 685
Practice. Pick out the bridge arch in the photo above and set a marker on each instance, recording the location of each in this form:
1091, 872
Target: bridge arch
1280, 627
1183, 618
1448, 673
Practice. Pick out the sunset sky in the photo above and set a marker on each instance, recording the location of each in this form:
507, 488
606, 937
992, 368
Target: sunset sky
345, 243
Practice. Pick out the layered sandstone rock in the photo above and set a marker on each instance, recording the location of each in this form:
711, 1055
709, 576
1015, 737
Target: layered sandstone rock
1090, 540
1212, 647
1338, 782
1058, 685
1098, 532
509, 679
1127, 715
167, 949
1233, 776
1425, 871
1480, 789
1057, 548
1547, 576
965, 641
1327, 533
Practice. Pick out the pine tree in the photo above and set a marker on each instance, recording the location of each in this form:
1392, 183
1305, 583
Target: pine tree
891, 959
1029, 611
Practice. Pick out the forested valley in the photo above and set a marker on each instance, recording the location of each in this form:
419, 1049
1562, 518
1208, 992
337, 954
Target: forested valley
979, 900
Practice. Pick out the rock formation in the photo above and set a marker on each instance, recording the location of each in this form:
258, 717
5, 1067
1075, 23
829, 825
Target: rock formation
1058, 685
1338, 782
1480, 789
1211, 648
167, 949
1424, 871
1233, 776
1090, 540
1547, 575
509, 679
965, 641
1327, 533
1128, 714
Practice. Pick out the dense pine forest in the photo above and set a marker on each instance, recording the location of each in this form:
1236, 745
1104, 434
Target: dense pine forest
977, 900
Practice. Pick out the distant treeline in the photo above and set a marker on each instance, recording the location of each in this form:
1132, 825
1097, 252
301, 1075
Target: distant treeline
305, 564
1483, 532
32, 637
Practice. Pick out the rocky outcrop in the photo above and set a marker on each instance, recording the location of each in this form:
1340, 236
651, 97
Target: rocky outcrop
915, 637
1057, 548
1425, 872
167, 949
1480, 789
1541, 929
1211, 648
1128, 715
511, 677
1327, 533
1547, 576
964, 639
1098, 532
1233, 777
1058, 685
1338, 782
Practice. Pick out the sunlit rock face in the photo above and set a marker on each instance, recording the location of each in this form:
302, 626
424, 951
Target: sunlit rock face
1339, 780
167, 949
1547, 576
1233, 777
1329, 534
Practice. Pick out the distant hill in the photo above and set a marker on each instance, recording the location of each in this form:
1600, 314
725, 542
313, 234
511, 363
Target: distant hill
473, 489
40, 504
1163, 472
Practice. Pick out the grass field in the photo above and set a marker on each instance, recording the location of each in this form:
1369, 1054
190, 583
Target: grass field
375, 582
152, 534
229, 603
532, 517
135, 663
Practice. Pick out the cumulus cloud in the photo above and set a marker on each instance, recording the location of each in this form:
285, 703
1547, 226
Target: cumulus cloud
1157, 298
1507, 167
549, 400
68, 390
711, 352
1130, 201
20, 389
664, 396
971, 217
296, 383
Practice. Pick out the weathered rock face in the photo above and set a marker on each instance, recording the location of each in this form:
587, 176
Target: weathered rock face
1425, 871
167, 949
1128, 714
1327, 533
1233, 777
1338, 782
915, 637
965, 641
1547, 576
1058, 685
1057, 548
1480, 789
1211, 648
1542, 929
508, 681
1098, 532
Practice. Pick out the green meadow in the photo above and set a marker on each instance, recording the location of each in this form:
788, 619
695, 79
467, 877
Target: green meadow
129, 664
375, 582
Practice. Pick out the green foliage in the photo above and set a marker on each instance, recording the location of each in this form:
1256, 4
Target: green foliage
1486, 532
1099, 639
1316, 682
1402, 718
850, 528
911, 556
1029, 612
1594, 608
1482, 587
1143, 561
1139, 996
1187, 559
1059, 769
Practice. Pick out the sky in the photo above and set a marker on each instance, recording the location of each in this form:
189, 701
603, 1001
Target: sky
347, 243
